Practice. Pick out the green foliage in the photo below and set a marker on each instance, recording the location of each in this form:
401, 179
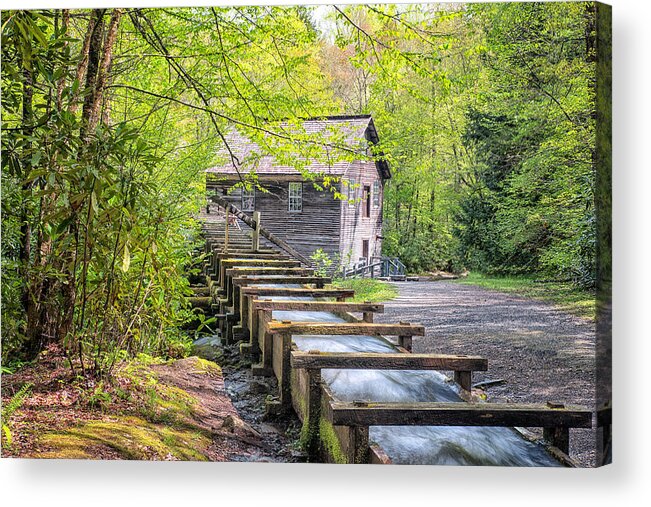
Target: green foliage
489, 129
10, 409
100, 398
323, 263
97, 228
485, 113
530, 207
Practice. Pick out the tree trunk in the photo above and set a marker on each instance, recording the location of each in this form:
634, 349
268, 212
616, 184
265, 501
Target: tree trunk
90, 90
104, 68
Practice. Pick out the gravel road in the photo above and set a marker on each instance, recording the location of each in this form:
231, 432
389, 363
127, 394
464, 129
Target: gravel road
542, 353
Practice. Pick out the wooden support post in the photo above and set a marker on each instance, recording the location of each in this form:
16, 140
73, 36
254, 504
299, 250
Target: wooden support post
255, 246
464, 379
252, 319
313, 415
367, 316
226, 215
558, 437
285, 377
245, 302
405, 342
265, 341
358, 450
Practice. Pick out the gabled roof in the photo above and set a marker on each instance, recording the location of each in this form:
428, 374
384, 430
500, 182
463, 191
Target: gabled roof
355, 129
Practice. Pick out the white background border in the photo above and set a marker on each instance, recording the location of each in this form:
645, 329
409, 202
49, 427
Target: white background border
626, 482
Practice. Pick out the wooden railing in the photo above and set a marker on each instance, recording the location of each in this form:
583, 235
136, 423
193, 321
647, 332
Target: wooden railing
382, 267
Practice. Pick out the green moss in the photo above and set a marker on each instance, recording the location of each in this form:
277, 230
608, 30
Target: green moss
205, 366
131, 437
162, 428
330, 442
170, 404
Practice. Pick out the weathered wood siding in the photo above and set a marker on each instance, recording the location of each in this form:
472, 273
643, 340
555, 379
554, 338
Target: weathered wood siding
354, 226
316, 226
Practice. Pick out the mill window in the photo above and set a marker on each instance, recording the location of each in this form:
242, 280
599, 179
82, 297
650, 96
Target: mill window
296, 197
248, 199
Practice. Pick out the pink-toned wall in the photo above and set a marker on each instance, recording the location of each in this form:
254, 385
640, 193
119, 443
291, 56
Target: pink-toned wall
354, 226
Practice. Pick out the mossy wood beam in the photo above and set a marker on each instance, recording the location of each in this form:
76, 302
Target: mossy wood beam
555, 419
225, 264
257, 272
375, 361
247, 251
237, 283
317, 306
345, 328
257, 314
216, 260
248, 254
249, 311
319, 281
260, 270
339, 294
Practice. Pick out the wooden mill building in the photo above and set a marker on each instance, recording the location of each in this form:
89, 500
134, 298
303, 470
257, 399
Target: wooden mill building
304, 216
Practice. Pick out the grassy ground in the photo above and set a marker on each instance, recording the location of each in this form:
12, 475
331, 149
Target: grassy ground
368, 289
564, 295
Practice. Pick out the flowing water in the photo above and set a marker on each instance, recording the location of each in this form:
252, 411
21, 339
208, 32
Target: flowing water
431, 445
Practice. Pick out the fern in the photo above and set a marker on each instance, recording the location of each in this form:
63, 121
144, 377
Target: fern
10, 408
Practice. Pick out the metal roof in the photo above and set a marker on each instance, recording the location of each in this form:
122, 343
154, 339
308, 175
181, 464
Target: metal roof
350, 131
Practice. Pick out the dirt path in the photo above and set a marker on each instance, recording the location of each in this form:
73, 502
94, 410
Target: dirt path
226, 413
542, 353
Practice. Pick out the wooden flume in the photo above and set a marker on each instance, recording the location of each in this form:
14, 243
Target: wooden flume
233, 275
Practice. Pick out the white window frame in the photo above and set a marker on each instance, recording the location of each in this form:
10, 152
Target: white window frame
376, 194
352, 193
248, 194
295, 197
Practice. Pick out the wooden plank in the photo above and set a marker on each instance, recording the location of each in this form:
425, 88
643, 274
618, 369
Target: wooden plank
249, 280
264, 341
405, 342
255, 237
247, 251
263, 231
358, 445
317, 306
268, 271
458, 414
231, 263
260, 266
230, 274
283, 345
251, 255
375, 361
300, 292
352, 328
558, 437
